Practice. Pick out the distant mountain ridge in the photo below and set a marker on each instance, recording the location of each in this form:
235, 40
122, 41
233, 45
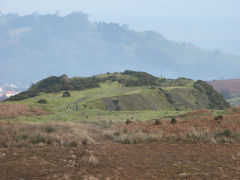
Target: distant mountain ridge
36, 46
230, 85
230, 89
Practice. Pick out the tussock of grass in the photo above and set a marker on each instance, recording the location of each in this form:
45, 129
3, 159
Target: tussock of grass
88, 158
212, 137
200, 129
133, 137
192, 135
43, 134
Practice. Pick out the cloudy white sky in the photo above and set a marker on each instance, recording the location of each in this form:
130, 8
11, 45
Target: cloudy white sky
210, 24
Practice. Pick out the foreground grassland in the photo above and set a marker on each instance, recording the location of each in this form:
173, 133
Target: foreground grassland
199, 144
114, 131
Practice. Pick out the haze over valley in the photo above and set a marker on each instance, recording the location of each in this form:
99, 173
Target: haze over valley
36, 46
103, 90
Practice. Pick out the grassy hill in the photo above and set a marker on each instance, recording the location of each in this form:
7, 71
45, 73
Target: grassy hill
113, 94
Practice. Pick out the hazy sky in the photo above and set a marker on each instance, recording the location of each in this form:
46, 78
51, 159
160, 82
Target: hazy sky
206, 23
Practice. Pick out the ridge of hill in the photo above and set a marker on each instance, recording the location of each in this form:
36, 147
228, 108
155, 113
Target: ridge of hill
127, 91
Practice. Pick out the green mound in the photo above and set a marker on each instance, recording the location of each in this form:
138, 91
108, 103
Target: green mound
127, 91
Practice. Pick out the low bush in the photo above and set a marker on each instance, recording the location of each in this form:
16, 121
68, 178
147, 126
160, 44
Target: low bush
157, 122
66, 94
88, 158
218, 118
173, 121
42, 101
128, 122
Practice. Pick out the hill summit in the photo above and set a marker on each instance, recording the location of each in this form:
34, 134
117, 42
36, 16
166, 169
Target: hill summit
130, 90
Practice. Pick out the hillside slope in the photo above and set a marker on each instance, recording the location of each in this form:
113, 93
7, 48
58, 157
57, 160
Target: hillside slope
127, 91
37, 46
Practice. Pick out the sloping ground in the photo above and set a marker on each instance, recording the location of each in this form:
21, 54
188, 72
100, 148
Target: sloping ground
168, 98
151, 100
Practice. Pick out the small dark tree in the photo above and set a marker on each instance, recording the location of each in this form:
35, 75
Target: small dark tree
42, 101
118, 108
115, 102
66, 94
158, 122
173, 121
128, 122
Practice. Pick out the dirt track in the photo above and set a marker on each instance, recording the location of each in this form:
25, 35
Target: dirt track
121, 161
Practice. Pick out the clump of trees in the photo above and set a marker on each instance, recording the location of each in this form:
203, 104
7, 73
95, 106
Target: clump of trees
55, 84
143, 79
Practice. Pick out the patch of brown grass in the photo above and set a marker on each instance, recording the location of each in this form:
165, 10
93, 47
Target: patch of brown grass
88, 158
193, 128
14, 110
43, 134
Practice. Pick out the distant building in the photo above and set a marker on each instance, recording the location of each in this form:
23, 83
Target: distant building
1, 89
10, 93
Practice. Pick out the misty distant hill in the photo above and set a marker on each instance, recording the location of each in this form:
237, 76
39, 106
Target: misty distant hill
36, 46
230, 89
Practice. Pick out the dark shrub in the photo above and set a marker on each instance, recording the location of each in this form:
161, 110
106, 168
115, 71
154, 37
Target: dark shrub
227, 133
218, 118
118, 108
66, 94
173, 121
23, 95
115, 102
42, 101
157, 122
128, 122
50, 129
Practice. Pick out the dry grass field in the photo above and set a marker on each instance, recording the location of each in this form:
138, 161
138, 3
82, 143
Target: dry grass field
196, 145
14, 110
